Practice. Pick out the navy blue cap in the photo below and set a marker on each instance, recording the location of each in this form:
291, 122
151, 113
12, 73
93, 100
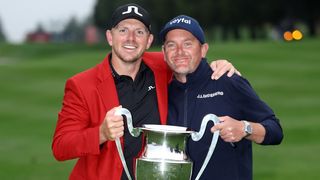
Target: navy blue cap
131, 11
183, 22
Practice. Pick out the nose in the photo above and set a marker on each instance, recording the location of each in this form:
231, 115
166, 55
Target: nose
179, 49
131, 35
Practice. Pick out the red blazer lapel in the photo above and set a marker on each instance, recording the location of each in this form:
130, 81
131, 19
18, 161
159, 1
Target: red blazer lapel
107, 88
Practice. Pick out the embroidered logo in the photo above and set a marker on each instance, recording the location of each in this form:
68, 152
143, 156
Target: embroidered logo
151, 87
134, 8
180, 20
210, 95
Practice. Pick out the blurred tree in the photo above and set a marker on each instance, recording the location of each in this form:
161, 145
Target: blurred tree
252, 14
73, 31
313, 7
102, 12
2, 36
228, 12
39, 28
307, 11
161, 12
313, 17
230, 15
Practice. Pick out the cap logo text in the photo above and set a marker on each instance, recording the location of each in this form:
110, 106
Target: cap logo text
135, 10
183, 20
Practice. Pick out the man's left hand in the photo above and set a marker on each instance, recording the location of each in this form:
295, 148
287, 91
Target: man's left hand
231, 130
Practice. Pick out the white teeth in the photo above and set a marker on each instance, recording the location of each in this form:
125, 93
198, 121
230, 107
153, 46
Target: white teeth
129, 47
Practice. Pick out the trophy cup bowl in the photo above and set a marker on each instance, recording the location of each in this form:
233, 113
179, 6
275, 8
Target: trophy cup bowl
164, 155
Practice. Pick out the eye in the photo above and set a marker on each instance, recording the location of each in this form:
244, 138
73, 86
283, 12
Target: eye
141, 32
187, 44
122, 30
171, 46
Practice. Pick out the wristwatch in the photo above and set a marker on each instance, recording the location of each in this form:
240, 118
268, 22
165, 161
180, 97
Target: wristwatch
247, 128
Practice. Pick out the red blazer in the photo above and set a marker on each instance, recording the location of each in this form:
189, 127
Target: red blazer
88, 96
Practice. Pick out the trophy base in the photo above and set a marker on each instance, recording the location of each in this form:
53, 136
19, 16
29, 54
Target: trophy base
162, 169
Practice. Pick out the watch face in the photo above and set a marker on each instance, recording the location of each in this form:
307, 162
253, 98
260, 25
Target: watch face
248, 128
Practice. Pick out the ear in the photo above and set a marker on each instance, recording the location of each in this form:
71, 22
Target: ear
150, 40
204, 49
164, 53
109, 37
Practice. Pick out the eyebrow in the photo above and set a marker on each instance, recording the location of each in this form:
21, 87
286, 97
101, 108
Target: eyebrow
188, 39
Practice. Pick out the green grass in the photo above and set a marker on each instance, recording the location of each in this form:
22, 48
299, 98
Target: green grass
32, 78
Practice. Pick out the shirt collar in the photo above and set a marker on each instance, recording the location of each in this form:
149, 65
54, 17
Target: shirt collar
202, 71
116, 76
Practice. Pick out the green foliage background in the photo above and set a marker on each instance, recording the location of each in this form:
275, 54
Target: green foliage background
32, 77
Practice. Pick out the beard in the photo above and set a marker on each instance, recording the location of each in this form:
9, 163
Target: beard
127, 58
181, 70
180, 65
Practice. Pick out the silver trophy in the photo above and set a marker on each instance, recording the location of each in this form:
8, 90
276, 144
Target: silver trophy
164, 156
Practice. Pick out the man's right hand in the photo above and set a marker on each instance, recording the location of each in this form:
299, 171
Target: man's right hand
112, 126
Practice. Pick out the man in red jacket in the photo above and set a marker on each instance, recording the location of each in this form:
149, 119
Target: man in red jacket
128, 76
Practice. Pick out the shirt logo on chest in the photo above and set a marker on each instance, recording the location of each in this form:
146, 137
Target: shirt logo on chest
210, 95
151, 87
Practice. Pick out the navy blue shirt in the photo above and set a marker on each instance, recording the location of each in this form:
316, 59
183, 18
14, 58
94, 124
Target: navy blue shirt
189, 102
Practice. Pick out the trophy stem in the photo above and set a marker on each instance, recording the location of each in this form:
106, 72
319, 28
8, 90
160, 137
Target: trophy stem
123, 161
135, 132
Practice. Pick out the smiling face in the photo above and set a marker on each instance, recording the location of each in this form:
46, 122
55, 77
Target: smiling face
129, 39
183, 52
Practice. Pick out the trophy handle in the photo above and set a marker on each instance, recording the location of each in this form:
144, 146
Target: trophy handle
196, 136
135, 132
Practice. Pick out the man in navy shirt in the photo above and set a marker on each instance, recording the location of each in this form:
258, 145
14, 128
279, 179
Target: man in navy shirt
244, 117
